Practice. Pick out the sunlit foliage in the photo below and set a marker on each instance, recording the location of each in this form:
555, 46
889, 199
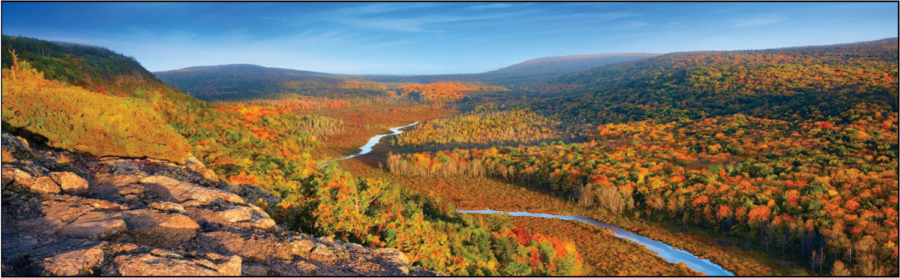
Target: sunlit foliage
75, 119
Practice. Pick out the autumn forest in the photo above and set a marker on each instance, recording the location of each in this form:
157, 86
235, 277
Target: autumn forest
776, 162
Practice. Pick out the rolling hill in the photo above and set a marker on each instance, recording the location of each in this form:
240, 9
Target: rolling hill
539, 69
243, 81
788, 83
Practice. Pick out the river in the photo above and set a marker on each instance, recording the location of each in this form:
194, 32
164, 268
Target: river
663, 250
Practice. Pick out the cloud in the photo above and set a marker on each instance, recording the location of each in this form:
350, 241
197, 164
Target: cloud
390, 43
491, 6
382, 8
759, 21
591, 16
414, 24
634, 24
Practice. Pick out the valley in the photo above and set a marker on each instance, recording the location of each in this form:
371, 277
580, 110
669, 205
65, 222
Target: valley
775, 162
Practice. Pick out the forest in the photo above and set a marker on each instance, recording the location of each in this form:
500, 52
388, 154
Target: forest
767, 162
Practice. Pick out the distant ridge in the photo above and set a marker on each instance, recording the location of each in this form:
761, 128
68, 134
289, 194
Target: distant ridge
247, 81
534, 70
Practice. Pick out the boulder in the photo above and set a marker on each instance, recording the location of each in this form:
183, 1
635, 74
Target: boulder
301, 248
264, 224
235, 214
22, 181
167, 207
229, 266
78, 261
70, 182
322, 251
394, 257
95, 225
153, 228
44, 185
104, 205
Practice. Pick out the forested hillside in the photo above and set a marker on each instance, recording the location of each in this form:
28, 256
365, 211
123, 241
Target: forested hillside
554, 66
241, 82
815, 82
259, 145
90, 67
792, 152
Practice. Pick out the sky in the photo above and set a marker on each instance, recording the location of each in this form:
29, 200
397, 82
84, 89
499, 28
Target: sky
434, 38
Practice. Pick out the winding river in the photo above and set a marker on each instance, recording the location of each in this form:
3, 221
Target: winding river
663, 250
374, 141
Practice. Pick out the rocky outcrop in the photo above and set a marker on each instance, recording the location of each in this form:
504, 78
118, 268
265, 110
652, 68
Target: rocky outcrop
69, 215
70, 182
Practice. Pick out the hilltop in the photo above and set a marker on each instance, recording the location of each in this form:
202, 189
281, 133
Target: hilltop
813, 82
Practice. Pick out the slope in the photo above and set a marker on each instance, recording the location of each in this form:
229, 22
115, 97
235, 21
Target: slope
539, 69
243, 81
789, 83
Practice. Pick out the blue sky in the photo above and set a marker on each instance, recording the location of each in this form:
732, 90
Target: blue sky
434, 38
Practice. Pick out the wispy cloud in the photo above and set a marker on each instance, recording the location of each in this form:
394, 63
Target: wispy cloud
759, 21
415, 24
634, 24
390, 43
493, 6
382, 8
497, 6
592, 16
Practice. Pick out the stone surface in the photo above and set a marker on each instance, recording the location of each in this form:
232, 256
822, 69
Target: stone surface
393, 256
322, 250
104, 205
264, 224
250, 247
70, 182
95, 225
150, 227
233, 215
230, 266
15, 145
150, 265
183, 192
254, 270
127, 223
77, 262
301, 247
167, 207
23, 181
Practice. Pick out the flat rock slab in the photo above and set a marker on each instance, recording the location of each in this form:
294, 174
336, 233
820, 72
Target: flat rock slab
78, 260
150, 265
95, 225
153, 228
237, 214
250, 247
187, 193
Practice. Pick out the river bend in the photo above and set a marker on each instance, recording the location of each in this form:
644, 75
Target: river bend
663, 250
